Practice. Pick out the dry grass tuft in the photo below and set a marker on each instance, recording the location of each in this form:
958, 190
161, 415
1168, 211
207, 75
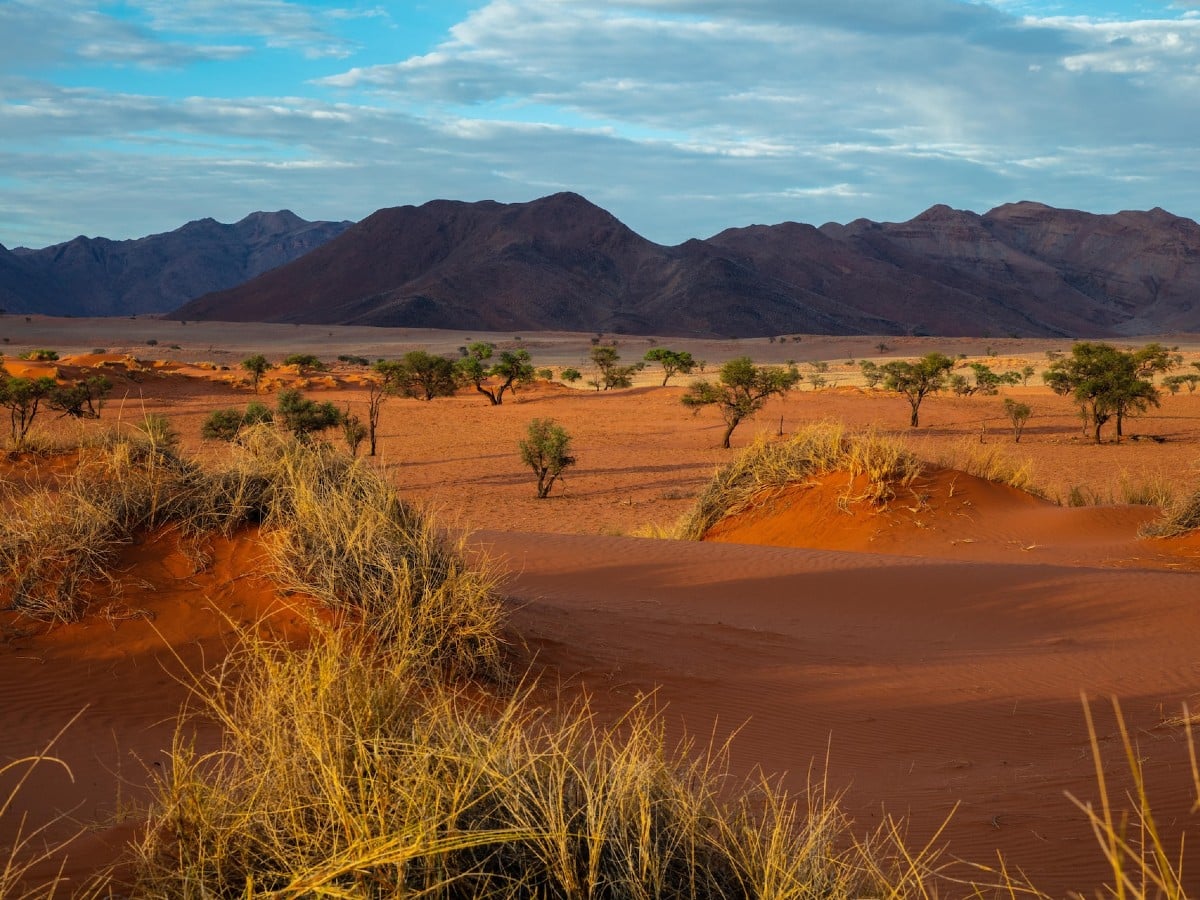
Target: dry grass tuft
991, 464
885, 461
31, 850
1179, 518
57, 545
342, 775
337, 532
1132, 842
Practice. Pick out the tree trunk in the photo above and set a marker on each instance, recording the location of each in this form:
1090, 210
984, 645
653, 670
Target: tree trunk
728, 432
912, 422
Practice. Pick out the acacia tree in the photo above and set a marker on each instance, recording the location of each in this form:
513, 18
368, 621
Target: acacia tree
916, 380
512, 368
1103, 381
80, 399
1018, 414
419, 374
871, 373
257, 365
673, 362
610, 374
546, 449
742, 389
22, 397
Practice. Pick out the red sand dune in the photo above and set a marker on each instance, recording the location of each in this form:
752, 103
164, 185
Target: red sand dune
952, 515
934, 688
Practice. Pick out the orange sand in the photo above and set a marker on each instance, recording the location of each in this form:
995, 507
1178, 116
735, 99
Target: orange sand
934, 653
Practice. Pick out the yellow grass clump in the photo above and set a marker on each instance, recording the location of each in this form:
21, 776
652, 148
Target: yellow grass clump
342, 775
990, 463
335, 529
763, 467
1179, 517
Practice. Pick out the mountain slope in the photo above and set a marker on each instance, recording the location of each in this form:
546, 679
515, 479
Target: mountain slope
562, 263
99, 277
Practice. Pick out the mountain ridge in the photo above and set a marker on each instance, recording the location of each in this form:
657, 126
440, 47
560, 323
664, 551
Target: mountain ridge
88, 276
563, 263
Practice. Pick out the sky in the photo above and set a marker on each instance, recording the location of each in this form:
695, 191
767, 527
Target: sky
681, 117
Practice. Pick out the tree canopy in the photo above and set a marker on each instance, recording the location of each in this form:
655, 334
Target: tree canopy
492, 379
741, 390
419, 374
673, 362
1105, 382
916, 380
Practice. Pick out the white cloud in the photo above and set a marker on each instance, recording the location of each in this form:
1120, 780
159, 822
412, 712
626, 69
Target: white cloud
681, 116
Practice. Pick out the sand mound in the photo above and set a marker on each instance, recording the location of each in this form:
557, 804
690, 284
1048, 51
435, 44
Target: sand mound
21, 368
949, 514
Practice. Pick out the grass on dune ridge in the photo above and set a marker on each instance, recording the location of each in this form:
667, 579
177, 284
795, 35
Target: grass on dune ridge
334, 530
885, 461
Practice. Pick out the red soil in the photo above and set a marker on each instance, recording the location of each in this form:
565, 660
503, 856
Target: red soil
933, 653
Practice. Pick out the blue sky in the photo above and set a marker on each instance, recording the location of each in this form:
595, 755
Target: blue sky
682, 117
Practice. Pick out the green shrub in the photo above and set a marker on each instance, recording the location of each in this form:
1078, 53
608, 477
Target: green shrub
226, 424
546, 449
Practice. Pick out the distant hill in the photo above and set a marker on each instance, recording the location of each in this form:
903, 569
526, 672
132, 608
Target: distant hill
563, 263
155, 274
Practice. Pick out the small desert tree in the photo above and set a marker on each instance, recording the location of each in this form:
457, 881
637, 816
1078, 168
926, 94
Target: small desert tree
354, 432
817, 370
570, 375
376, 393
546, 449
610, 374
673, 362
511, 368
916, 380
419, 374
80, 399
225, 424
1103, 381
22, 397
742, 389
257, 365
1018, 414
871, 373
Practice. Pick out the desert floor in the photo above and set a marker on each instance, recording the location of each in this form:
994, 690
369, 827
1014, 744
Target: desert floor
927, 661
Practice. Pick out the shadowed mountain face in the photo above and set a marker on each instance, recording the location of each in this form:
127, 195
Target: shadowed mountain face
562, 263
99, 277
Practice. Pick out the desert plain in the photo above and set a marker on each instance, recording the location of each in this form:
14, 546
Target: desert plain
927, 660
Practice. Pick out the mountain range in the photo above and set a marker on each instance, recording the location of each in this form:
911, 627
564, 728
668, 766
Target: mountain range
563, 263
154, 274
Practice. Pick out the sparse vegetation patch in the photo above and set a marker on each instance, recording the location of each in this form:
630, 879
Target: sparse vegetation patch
817, 449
